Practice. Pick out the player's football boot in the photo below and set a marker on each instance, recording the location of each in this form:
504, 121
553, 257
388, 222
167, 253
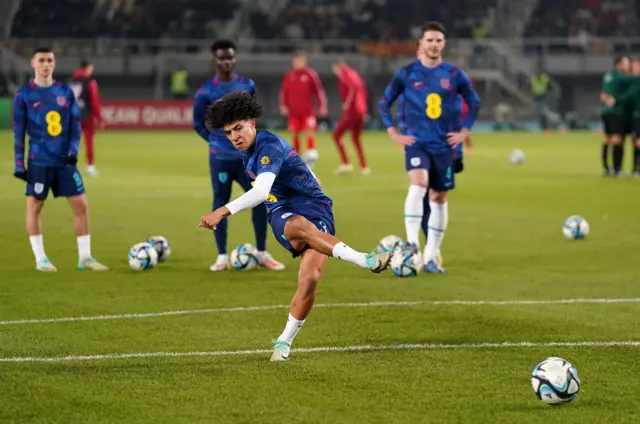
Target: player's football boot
280, 351
222, 263
45, 265
365, 171
439, 258
342, 169
91, 264
432, 267
265, 260
378, 262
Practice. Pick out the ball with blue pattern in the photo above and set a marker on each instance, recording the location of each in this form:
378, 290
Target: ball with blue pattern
244, 257
142, 257
555, 381
161, 246
388, 243
405, 260
575, 228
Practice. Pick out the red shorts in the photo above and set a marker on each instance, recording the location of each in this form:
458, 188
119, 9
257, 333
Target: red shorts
302, 123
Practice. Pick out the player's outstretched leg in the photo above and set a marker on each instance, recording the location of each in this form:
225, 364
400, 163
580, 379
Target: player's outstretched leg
80, 208
301, 233
311, 267
34, 229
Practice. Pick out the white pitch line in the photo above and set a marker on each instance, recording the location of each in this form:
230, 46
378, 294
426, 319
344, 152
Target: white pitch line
361, 348
320, 305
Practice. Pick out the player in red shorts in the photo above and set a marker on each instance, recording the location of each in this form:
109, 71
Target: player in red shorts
353, 93
85, 90
301, 88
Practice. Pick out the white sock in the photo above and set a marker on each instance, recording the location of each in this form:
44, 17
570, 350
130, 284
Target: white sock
84, 247
437, 225
37, 245
224, 257
344, 252
291, 329
413, 211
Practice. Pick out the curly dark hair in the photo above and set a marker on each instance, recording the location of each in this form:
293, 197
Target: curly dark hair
234, 107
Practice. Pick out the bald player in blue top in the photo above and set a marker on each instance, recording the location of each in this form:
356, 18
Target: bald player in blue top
429, 134
300, 213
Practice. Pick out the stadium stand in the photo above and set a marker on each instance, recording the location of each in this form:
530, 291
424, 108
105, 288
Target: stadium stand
289, 19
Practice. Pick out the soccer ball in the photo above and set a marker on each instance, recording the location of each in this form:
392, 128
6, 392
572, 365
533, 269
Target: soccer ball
244, 257
575, 228
405, 261
517, 157
555, 381
162, 247
142, 256
388, 243
310, 156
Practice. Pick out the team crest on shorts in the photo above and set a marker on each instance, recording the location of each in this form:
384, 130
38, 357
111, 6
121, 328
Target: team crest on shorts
38, 187
61, 101
415, 161
264, 160
445, 83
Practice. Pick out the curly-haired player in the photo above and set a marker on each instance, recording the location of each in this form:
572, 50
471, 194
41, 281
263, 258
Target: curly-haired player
300, 213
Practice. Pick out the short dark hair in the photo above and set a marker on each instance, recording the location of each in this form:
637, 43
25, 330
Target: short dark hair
42, 50
234, 107
299, 53
222, 45
84, 63
619, 60
433, 26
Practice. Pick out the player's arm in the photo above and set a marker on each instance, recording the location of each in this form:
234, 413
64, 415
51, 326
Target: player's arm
19, 132
318, 90
200, 104
470, 96
270, 162
94, 98
75, 129
283, 96
391, 93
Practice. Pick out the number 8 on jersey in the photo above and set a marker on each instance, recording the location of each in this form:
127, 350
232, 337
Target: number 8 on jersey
54, 128
434, 106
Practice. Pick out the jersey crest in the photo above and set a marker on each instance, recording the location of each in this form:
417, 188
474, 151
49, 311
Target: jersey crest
445, 83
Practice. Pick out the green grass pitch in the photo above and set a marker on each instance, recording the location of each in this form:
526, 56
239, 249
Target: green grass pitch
504, 243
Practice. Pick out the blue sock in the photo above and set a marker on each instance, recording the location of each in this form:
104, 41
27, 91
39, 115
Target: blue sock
259, 218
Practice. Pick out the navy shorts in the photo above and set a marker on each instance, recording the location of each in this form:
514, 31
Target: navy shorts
64, 181
318, 214
440, 166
